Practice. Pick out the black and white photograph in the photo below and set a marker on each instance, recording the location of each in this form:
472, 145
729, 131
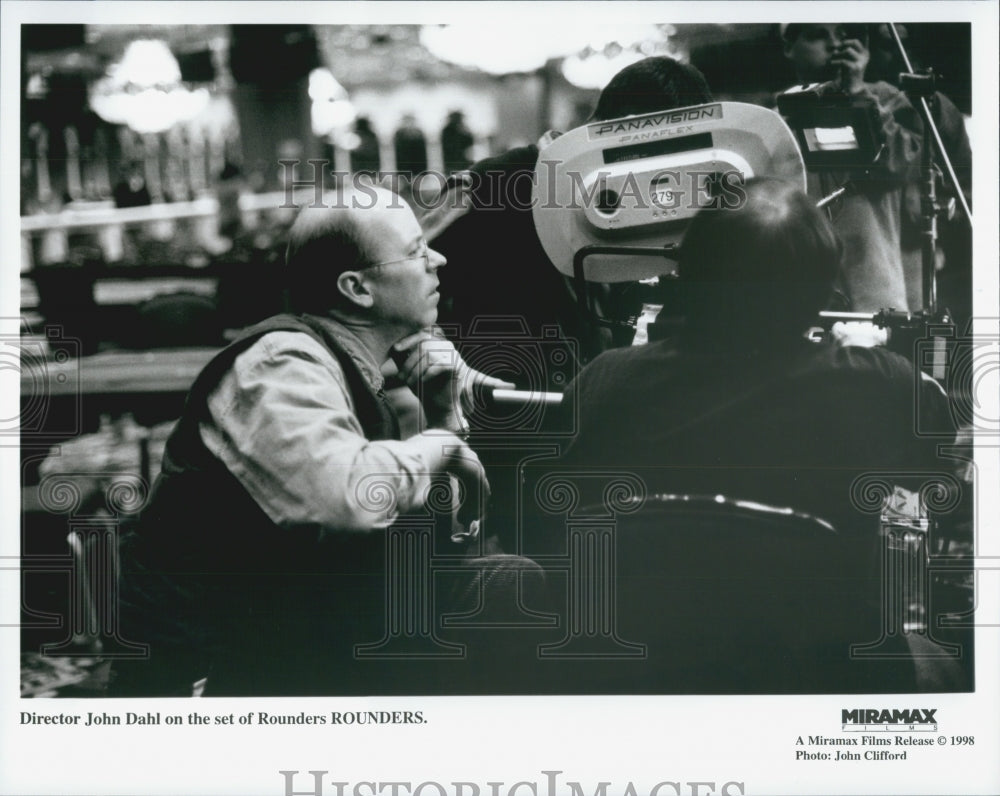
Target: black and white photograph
499, 398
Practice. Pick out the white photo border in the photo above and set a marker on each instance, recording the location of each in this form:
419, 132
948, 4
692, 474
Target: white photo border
742, 745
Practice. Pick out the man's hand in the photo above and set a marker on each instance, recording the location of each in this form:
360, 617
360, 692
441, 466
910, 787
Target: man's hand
465, 466
852, 58
430, 365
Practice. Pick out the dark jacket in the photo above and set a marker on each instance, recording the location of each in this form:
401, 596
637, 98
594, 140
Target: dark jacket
207, 577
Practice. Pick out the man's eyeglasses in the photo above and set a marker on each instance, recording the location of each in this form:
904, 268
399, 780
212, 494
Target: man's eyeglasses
424, 254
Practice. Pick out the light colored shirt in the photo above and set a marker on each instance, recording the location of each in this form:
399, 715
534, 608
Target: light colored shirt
284, 424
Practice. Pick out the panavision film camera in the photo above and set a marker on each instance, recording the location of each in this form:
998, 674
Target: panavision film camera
610, 193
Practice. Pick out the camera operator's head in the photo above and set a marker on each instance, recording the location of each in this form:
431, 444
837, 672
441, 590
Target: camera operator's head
657, 83
757, 275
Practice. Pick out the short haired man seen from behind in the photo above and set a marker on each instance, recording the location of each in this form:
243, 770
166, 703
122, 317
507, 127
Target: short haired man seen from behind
657, 83
867, 218
744, 405
741, 401
260, 559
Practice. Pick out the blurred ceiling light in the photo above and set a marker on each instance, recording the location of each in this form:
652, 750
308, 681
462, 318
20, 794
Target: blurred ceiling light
147, 62
331, 110
37, 87
324, 86
509, 48
329, 117
144, 90
594, 71
514, 47
594, 66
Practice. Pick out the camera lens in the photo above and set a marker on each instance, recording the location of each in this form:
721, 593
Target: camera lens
607, 202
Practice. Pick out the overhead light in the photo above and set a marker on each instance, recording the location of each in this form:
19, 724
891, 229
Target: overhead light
331, 110
324, 86
594, 66
596, 69
37, 86
514, 47
144, 90
509, 49
147, 63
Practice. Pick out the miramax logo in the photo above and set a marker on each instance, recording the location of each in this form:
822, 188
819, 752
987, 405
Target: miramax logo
889, 719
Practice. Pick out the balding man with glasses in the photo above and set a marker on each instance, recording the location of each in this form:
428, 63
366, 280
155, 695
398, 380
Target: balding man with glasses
259, 562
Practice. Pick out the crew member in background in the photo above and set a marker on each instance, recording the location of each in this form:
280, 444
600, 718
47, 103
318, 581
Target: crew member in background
131, 189
456, 142
366, 155
410, 145
867, 217
954, 251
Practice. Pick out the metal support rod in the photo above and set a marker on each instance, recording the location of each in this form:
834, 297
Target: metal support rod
831, 197
929, 233
928, 193
848, 317
884, 318
932, 128
518, 397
